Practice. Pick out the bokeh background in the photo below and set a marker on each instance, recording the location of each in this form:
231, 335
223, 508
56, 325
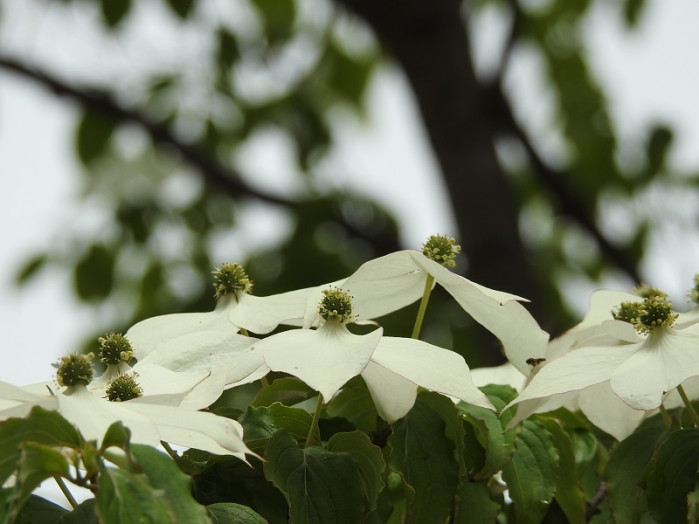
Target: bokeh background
143, 143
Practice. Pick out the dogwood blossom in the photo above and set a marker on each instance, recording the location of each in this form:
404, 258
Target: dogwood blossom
152, 408
640, 373
393, 368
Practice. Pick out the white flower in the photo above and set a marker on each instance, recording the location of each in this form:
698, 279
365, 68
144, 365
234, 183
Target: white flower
386, 284
640, 373
165, 411
598, 402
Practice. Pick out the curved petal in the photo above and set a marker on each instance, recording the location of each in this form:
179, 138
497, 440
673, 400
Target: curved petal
608, 412
385, 284
430, 367
526, 408
577, 369
92, 415
665, 359
498, 312
151, 333
205, 350
263, 314
392, 394
16, 401
196, 429
324, 359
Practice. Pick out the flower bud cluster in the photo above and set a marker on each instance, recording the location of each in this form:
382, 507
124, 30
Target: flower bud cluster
123, 388
229, 279
75, 369
655, 311
336, 304
441, 249
114, 349
694, 292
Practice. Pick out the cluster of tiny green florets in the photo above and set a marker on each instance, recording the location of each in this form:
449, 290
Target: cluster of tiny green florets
229, 279
114, 349
75, 369
336, 304
441, 249
655, 311
647, 291
123, 388
694, 292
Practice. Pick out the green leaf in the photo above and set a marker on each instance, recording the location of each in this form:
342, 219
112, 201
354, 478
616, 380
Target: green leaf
228, 51
475, 504
625, 469
368, 458
287, 391
489, 429
83, 514
355, 404
424, 455
321, 486
633, 9
531, 474
37, 463
114, 11
261, 423
176, 487
569, 495
93, 135
230, 513
673, 476
454, 428
94, 273
182, 8
116, 435
40, 426
128, 497
37, 510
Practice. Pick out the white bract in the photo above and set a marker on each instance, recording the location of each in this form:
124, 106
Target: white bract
639, 372
166, 409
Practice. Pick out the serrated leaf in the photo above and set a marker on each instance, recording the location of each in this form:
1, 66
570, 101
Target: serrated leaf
175, 487
37, 462
93, 135
673, 476
423, 454
454, 428
287, 391
94, 273
569, 495
489, 428
114, 11
128, 497
531, 474
368, 458
83, 514
321, 486
474, 504
625, 470
37, 510
260, 423
356, 405
230, 513
40, 426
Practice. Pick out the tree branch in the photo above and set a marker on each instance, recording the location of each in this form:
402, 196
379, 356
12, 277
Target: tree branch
213, 171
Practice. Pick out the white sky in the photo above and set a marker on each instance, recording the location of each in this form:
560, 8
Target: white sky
648, 76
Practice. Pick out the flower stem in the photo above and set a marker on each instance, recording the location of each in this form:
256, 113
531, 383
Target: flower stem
314, 423
688, 405
665, 415
423, 307
66, 492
